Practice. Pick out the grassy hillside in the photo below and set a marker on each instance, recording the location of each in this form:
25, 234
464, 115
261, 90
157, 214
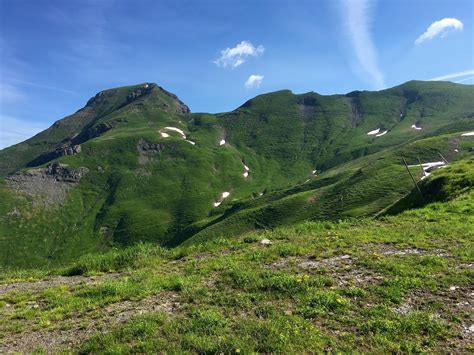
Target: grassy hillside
363, 187
137, 166
400, 283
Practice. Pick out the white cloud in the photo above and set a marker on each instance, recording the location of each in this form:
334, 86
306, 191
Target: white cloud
358, 16
253, 81
14, 130
233, 57
439, 28
453, 75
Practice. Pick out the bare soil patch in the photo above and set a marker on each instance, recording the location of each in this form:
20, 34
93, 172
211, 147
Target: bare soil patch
83, 326
55, 281
455, 302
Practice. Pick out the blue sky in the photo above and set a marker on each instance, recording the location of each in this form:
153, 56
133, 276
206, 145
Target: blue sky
55, 55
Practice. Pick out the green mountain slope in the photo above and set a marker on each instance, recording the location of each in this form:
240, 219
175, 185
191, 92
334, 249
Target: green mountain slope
135, 165
360, 188
87, 123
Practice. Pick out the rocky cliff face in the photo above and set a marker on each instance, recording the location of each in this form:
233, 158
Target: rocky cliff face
46, 185
67, 148
179, 106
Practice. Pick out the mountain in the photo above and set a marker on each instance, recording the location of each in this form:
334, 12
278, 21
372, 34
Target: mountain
135, 165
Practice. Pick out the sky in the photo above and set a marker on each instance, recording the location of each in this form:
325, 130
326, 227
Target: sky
215, 55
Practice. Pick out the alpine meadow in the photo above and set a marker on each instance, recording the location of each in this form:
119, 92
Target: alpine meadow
294, 223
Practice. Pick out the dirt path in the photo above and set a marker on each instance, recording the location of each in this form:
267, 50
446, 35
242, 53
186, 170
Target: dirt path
55, 281
83, 326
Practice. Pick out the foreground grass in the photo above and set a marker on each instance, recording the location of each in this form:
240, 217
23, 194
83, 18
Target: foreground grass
400, 283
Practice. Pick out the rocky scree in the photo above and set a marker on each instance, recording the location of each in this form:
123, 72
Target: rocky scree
48, 184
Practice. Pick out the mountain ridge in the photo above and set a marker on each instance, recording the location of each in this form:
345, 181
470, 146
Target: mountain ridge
152, 171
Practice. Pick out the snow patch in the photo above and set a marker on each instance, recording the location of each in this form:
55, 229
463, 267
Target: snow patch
246, 172
222, 142
224, 196
314, 172
414, 126
381, 134
265, 242
468, 134
375, 131
427, 167
456, 150
176, 130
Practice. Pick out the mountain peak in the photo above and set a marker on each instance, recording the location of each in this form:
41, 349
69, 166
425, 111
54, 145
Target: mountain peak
141, 94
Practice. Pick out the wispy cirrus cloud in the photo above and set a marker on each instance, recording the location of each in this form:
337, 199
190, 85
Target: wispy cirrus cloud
42, 86
92, 47
236, 56
440, 27
465, 79
254, 81
14, 130
358, 18
9, 93
13, 73
456, 75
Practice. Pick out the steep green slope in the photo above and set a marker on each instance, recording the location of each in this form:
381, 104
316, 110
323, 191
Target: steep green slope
448, 184
136, 165
359, 188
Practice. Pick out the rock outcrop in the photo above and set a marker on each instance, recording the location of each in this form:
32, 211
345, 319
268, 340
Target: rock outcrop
64, 149
48, 184
139, 92
146, 151
353, 101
